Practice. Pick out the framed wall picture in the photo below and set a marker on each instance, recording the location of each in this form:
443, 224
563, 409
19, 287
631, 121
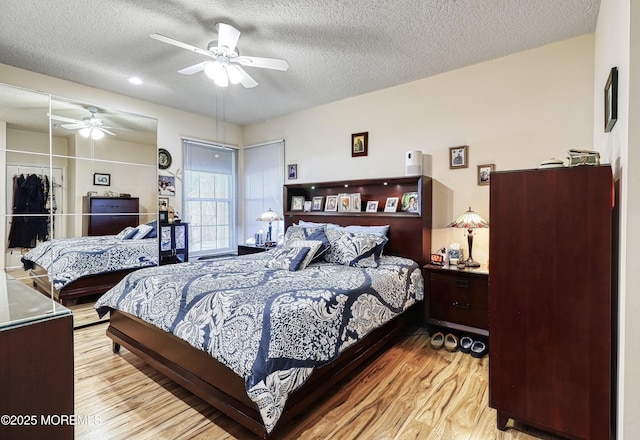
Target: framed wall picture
372, 206
459, 157
297, 203
102, 179
292, 171
484, 173
317, 203
611, 100
391, 205
331, 203
359, 144
166, 185
344, 202
307, 205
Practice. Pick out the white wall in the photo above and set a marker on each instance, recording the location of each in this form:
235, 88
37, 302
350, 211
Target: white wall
513, 112
617, 44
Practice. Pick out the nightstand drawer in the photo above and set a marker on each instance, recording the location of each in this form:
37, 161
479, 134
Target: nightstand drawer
458, 299
463, 291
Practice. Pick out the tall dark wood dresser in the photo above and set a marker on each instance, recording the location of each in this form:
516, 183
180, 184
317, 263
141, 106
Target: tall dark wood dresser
551, 343
108, 215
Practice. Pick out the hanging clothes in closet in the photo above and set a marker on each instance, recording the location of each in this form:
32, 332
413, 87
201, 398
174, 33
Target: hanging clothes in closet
30, 198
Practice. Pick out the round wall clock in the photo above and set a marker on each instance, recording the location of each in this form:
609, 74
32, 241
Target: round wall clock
164, 159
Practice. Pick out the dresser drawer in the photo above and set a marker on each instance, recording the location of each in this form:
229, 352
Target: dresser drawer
113, 205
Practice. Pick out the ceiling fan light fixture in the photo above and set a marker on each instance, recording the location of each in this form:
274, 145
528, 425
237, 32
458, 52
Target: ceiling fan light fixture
96, 134
86, 131
216, 71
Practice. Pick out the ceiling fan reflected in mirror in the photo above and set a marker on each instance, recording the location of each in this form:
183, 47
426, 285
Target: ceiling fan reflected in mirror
87, 127
227, 61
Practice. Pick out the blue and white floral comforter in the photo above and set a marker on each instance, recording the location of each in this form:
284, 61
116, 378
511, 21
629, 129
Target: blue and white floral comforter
68, 259
272, 327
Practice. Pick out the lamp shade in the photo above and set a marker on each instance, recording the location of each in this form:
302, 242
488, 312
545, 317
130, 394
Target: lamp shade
469, 220
269, 216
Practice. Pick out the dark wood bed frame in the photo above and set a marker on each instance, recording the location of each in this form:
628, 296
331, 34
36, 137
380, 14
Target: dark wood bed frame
198, 372
84, 286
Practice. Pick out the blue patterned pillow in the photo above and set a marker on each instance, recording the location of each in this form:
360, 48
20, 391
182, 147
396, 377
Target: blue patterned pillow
295, 256
287, 258
321, 236
295, 233
313, 246
357, 250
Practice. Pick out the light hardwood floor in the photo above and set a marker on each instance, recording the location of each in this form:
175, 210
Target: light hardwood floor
409, 392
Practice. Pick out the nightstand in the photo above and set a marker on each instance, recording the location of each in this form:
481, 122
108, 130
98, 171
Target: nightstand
173, 243
244, 249
457, 299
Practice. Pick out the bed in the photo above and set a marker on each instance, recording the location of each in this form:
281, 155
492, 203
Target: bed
71, 268
255, 400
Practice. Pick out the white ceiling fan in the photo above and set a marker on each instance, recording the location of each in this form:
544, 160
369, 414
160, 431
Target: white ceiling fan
227, 61
89, 126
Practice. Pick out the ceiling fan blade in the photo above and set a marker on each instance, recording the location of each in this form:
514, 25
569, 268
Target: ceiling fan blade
182, 45
193, 69
64, 119
247, 81
265, 63
105, 130
74, 126
227, 36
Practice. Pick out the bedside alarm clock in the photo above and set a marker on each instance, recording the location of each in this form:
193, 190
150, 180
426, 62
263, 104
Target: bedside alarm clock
437, 259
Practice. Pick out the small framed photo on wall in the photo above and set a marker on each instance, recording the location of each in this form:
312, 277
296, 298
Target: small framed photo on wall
459, 157
166, 185
292, 171
484, 173
102, 179
611, 100
372, 206
359, 144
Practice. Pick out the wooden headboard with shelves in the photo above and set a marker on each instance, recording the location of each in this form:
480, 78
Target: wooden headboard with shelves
409, 232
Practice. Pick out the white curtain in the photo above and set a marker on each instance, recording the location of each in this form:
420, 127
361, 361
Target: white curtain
263, 187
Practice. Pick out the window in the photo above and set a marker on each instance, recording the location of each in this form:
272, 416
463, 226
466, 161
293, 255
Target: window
263, 182
210, 197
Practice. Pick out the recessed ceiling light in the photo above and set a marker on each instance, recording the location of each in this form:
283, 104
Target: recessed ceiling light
135, 80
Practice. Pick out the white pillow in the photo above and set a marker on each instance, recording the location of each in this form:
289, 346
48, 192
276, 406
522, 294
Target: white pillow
127, 233
143, 230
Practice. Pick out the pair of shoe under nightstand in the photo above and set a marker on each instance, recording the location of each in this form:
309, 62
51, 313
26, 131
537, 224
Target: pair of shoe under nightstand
457, 300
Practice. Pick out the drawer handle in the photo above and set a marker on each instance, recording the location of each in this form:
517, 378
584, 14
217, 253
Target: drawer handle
462, 283
461, 305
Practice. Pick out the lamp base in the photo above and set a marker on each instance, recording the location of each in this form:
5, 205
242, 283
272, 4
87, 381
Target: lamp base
470, 262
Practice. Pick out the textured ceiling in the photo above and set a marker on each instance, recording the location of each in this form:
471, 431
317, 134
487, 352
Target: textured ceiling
335, 48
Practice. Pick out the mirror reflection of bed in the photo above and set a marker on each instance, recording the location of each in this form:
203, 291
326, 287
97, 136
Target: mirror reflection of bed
43, 147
